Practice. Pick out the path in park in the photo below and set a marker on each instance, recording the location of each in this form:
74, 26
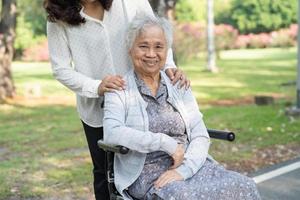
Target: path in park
279, 182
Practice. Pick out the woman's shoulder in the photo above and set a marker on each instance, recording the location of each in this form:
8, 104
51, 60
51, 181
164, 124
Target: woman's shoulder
175, 89
136, 2
139, 5
56, 25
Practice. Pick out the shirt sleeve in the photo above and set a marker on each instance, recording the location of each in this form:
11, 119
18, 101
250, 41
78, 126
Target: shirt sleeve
197, 150
116, 132
61, 63
170, 60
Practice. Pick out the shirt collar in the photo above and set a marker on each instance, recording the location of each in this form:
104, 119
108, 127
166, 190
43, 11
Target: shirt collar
143, 88
87, 17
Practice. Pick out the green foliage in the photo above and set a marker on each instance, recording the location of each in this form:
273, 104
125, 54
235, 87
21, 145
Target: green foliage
255, 16
195, 10
222, 11
190, 10
33, 13
24, 35
31, 25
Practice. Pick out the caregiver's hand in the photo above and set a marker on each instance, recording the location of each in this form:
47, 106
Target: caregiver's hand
176, 75
110, 83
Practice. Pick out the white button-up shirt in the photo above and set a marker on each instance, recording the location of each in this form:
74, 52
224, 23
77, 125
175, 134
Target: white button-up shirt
81, 56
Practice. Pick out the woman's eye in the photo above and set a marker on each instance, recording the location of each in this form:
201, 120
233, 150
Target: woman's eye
159, 47
143, 46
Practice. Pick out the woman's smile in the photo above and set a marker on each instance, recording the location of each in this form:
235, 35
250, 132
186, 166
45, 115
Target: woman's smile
151, 63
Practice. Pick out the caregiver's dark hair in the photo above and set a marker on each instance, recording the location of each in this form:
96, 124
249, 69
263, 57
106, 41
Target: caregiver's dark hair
68, 11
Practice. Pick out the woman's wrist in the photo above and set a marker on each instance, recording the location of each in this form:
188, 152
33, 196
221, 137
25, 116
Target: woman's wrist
100, 89
168, 144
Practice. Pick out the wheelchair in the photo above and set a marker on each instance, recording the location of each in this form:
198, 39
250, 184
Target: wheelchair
111, 150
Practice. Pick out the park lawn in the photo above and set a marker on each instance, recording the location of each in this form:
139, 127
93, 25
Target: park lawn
43, 152
244, 73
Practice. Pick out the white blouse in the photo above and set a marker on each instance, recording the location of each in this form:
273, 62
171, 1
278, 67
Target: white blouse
81, 56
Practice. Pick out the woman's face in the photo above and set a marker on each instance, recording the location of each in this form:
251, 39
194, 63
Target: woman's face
149, 51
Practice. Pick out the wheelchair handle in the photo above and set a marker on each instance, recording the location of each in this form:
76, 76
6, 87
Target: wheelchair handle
223, 135
216, 134
116, 149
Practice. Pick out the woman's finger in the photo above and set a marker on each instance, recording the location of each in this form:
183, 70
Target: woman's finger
112, 85
188, 84
119, 78
161, 179
170, 73
117, 83
177, 76
169, 179
182, 81
107, 90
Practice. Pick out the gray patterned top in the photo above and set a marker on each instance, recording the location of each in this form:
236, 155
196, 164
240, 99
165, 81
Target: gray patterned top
163, 117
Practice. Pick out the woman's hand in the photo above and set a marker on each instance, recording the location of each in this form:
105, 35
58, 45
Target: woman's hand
178, 156
167, 177
110, 83
176, 75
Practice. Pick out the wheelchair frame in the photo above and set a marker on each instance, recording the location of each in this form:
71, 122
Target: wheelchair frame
111, 150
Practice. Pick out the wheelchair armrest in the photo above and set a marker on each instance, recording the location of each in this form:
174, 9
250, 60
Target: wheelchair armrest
115, 149
222, 135
216, 134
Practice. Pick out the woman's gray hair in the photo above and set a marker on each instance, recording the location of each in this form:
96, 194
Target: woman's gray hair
140, 21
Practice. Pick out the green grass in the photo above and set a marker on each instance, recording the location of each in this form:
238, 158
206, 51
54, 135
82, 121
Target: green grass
244, 73
43, 152
31, 75
255, 127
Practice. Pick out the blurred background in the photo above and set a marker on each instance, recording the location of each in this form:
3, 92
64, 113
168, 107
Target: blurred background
241, 58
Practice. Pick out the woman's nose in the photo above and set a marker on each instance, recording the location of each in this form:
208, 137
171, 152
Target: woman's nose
151, 52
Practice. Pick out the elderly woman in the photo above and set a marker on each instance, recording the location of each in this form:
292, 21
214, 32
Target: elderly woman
163, 127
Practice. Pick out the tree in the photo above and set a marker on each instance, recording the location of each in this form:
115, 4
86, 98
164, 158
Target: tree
33, 13
190, 10
298, 75
211, 55
164, 8
31, 27
256, 16
7, 36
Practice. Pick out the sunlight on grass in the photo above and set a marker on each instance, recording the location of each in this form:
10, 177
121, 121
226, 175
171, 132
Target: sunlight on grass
253, 54
241, 78
33, 78
229, 83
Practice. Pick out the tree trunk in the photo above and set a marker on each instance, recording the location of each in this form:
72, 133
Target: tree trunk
298, 74
7, 36
164, 8
211, 55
